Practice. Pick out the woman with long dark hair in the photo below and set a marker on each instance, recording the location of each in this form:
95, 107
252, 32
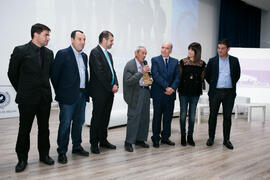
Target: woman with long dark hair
191, 84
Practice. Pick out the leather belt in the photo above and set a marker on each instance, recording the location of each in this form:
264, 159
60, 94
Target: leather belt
81, 89
224, 89
145, 87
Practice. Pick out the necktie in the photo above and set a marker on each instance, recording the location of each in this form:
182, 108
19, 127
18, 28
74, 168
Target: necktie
110, 64
39, 58
141, 80
140, 68
166, 63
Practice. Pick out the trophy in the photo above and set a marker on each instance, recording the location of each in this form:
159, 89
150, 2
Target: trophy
146, 76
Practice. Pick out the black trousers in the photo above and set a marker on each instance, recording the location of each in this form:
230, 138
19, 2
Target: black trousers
102, 106
226, 97
163, 111
27, 115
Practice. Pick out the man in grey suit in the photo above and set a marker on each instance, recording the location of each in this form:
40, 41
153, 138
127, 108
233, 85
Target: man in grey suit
137, 96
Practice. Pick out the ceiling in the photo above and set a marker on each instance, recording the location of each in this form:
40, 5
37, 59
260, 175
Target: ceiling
262, 4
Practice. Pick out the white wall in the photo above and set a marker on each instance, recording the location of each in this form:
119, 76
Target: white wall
208, 27
265, 30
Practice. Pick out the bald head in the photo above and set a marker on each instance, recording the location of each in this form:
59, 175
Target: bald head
166, 49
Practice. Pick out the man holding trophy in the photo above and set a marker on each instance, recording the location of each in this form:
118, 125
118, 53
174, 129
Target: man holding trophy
136, 82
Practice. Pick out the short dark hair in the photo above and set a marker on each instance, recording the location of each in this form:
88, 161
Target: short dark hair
226, 42
73, 34
197, 48
38, 28
104, 34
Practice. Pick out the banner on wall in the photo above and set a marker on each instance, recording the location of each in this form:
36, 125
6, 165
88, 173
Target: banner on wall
8, 107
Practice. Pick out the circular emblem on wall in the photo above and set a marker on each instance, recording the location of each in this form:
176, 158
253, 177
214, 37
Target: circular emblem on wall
4, 99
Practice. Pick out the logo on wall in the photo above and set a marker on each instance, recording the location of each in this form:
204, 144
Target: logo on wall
4, 99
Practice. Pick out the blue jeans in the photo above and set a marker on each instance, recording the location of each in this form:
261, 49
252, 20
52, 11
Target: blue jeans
192, 102
69, 112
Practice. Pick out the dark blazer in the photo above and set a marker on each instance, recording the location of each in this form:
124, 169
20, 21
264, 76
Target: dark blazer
65, 76
212, 71
27, 77
131, 87
100, 73
163, 79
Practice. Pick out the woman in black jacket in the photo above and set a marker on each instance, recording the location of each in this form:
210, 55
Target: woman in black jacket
190, 88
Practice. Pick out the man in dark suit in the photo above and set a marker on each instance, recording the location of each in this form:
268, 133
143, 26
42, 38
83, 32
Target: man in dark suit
28, 72
165, 73
69, 78
222, 74
103, 85
137, 96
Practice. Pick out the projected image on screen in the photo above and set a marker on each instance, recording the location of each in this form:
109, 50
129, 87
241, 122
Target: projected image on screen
255, 72
184, 23
132, 22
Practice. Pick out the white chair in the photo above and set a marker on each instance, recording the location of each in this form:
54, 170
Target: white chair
250, 106
202, 104
241, 100
200, 108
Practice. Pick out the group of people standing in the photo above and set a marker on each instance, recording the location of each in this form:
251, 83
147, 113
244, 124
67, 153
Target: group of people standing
187, 76
32, 65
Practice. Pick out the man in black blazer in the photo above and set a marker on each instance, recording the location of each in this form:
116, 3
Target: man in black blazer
69, 78
222, 74
103, 85
28, 72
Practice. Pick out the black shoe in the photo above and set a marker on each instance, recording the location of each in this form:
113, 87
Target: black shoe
183, 141
46, 160
228, 144
95, 149
107, 145
156, 144
80, 152
168, 142
190, 140
20, 166
142, 144
62, 158
128, 147
210, 142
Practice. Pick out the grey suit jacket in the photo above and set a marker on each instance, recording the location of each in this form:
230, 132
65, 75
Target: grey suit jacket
131, 78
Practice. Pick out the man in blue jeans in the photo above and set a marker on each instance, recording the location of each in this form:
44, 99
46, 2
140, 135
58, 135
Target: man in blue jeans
69, 77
